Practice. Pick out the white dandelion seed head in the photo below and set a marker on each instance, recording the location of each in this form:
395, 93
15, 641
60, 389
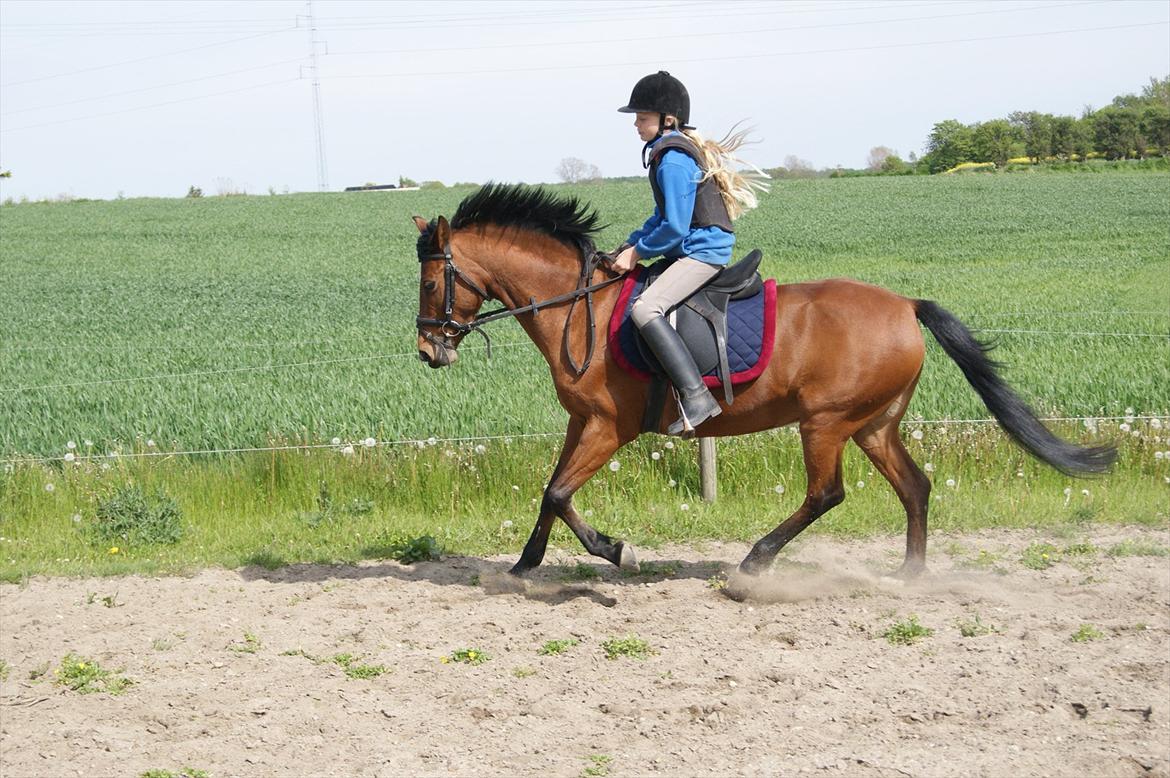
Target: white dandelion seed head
668, 444
672, 483
49, 487
480, 448
588, 512
928, 467
112, 454
336, 441
9, 467
432, 441
1135, 434
70, 445
1157, 455
778, 488
507, 441
684, 507
861, 484
951, 483
76, 518
515, 488
150, 443
507, 524
1156, 424
89, 444
1124, 426
1085, 492
105, 465
656, 455
614, 466
347, 450
1019, 474
69, 457
1067, 491
916, 434
369, 442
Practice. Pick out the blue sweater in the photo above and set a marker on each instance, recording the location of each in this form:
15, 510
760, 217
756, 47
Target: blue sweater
670, 234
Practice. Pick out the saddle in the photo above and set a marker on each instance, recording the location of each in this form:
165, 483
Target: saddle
724, 355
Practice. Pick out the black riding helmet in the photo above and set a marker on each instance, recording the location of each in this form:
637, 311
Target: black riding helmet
663, 94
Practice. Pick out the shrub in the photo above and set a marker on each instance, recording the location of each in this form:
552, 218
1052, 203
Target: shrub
194, 191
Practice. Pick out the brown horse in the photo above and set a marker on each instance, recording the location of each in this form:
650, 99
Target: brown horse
846, 360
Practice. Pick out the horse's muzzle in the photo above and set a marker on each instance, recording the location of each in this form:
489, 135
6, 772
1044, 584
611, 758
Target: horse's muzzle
436, 353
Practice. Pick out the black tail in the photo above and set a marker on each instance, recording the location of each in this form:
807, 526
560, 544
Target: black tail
1013, 414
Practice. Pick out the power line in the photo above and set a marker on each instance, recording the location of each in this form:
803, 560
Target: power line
145, 59
736, 57
153, 105
151, 88
434, 441
711, 34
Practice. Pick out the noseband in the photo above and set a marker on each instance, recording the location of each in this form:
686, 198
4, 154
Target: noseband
450, 328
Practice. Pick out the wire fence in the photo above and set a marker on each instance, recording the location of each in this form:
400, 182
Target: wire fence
352, 445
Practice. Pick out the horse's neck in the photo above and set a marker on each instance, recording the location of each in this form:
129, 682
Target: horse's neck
536, 269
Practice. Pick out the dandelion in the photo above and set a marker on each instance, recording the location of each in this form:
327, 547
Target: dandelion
150, 443
112, 454
1124, 427
369, 442
950, 483
348, 450
515, 488
916, 434
89, 444
114, 549
507, 524
105, 465
861, 484
588, 512
432, 440
70, 445
9, 468
1156, 424
69, 456
684, 507
1157, 455
1067, 491
668, 444
928, 467
480, 448
1019, 474
507, 441
77, 518
444, 659
336, 441
49, 487
672, 483
614, 466
778, 488
1084, 492
656, 455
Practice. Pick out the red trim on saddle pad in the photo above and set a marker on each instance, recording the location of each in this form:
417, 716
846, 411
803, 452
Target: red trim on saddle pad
743, 376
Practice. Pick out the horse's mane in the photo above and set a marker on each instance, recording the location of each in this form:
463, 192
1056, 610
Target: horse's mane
529, 207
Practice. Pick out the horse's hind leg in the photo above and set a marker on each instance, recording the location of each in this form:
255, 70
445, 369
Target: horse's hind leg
823, 444
884, 448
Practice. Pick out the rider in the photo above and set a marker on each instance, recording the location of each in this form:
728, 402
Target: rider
697, 194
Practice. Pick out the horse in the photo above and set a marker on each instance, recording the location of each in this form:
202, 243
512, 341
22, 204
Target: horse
846, 361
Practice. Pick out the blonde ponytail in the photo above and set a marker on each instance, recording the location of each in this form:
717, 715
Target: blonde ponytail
738, 187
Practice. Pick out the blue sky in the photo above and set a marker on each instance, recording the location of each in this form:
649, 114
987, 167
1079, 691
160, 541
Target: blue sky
148, 98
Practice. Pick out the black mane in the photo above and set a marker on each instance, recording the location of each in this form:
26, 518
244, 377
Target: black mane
515, 205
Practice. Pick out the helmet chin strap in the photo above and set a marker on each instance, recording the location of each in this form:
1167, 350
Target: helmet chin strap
661, 129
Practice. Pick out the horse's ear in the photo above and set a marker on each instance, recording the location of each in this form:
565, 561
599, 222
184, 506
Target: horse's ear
421, 223
443, 233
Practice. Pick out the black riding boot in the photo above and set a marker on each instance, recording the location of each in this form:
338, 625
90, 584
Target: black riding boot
697, 403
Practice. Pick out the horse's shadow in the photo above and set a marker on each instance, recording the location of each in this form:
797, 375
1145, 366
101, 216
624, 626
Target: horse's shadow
554, 583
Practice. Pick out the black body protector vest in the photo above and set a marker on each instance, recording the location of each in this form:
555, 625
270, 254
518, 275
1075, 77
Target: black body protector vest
710, 210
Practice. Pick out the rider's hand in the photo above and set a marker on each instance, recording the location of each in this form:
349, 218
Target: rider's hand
625, 260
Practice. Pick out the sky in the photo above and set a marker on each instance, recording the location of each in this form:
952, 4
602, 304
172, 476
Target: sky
100, 99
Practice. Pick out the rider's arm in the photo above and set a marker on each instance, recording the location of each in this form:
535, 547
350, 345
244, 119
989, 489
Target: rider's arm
650, 225
678, 175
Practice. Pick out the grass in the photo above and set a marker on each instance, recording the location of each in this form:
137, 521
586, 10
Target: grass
467, 656
157, 295
557, 647
85, 676
348, 663
905, 633
4, 668
1040, 556
599, 765
1086, 633
1137, 547
631, 646
580, 572
250, 645
974, 627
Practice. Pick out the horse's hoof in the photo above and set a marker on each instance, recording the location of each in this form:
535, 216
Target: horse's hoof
629, 560
736, 589
909, 571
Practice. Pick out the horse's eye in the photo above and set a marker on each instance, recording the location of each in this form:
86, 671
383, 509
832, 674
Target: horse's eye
429, 285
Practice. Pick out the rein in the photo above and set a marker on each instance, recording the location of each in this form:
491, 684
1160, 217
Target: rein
450, 328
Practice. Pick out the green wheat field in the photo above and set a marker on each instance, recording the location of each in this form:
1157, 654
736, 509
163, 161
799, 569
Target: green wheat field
152, 326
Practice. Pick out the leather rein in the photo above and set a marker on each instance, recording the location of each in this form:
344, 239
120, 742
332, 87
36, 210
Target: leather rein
451, 328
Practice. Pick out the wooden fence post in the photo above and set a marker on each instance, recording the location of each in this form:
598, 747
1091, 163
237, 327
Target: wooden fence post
707, 468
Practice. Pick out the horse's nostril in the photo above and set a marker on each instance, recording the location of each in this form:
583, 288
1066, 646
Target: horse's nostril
422, 356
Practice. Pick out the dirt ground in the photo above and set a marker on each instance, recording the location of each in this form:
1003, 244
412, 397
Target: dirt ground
798, 679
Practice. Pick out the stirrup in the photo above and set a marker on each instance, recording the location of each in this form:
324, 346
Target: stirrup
684, 427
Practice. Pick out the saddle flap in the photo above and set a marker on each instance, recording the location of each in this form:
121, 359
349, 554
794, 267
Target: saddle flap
739, 277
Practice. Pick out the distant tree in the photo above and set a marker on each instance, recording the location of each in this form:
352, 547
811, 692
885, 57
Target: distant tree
798, 168
994, 141
948, 145
1064, 136
5, 174
1117, 132
194, 191
1036, 131
432, 185
573, 171
877, 157
1155, 127
1157, 91
1082, 137
894, 165
404, 182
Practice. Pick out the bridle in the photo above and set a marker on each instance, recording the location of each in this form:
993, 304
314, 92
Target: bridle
450, 328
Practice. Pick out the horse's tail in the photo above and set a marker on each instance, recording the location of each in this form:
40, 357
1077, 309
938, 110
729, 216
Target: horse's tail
1013, 414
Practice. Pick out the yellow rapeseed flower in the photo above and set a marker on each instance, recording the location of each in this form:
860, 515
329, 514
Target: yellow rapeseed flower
113, 549
444, 660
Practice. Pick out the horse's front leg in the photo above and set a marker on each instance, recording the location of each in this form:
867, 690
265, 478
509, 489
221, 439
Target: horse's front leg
588, 446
